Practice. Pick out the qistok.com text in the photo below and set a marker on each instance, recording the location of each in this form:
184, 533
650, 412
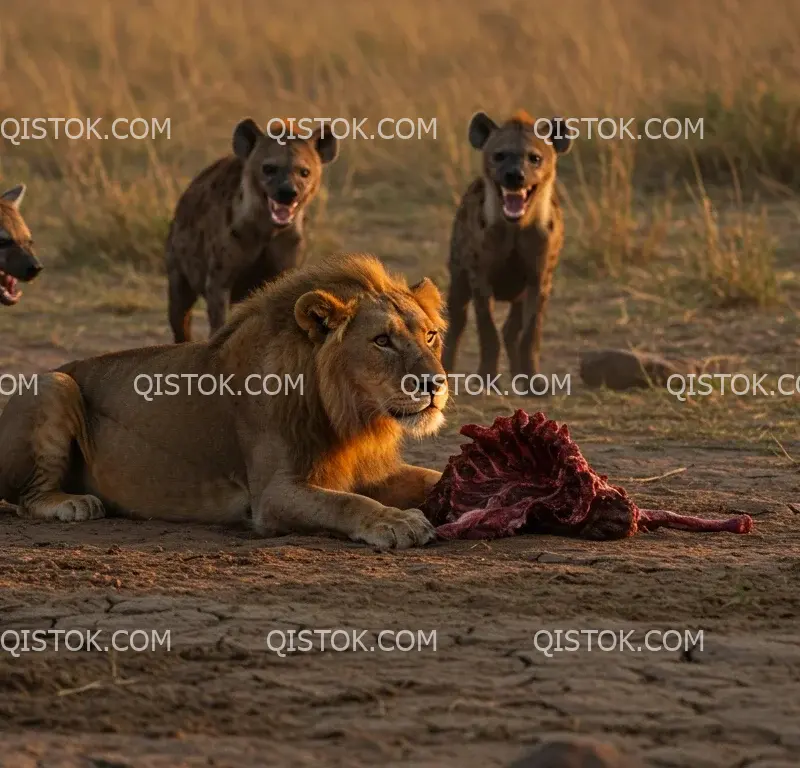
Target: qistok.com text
284, 642
475, 384
16, 642
150, 386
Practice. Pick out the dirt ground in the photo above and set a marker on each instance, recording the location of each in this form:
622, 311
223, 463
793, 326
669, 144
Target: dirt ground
487, 692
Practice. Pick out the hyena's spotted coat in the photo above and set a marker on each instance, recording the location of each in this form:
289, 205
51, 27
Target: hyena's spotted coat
240, 222
506, 240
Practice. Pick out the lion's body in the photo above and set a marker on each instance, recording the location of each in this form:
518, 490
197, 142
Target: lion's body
496, 257
223, 241
321, 457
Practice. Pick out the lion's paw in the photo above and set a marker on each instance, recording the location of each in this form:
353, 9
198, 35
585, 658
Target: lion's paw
394, 528
75, 509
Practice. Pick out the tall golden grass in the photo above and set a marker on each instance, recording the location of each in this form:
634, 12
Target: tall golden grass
204, 65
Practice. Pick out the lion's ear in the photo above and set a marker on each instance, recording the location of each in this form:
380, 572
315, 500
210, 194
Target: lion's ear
427, 294
319, 312
429, 298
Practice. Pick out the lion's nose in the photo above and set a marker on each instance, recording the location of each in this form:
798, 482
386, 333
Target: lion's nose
433, 385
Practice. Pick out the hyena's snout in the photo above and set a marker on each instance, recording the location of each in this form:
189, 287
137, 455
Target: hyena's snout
21, 264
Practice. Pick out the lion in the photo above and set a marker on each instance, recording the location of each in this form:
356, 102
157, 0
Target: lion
321, 457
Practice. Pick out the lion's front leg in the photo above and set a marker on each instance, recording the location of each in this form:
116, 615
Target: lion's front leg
406, 488
293, 507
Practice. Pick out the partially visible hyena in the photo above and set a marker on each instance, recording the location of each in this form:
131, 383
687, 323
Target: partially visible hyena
506, 240
17, 259
240, 222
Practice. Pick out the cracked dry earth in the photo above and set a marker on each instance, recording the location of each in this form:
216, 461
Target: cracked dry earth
485, 696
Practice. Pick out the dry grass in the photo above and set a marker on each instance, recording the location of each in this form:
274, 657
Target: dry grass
204, 65
667, 225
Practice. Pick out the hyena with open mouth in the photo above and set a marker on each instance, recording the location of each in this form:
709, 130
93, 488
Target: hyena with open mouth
239, 224
507, 237
18, 263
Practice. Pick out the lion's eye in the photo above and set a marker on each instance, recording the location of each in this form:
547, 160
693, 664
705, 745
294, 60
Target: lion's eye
432, 336
303, 172
534, 159
383, 340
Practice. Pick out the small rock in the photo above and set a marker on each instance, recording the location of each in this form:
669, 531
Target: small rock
552, 557
576, 754
622, 369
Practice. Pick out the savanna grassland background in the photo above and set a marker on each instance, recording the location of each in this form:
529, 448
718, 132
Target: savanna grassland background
657, 228
683, 248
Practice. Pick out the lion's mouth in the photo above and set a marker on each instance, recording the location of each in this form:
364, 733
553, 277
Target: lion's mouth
420, 422
10, 293
282, 215
412, 415
515, 201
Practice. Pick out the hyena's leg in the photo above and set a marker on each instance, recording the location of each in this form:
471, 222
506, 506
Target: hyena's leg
218, 296
57, 423
483, 301
458, 299
530, 342
511, 333
182, 298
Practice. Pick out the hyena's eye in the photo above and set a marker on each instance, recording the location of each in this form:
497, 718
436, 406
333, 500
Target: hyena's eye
269, 169
498, 157
303, 172
383, 340
534, 159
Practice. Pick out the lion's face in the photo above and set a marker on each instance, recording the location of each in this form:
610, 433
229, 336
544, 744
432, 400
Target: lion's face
378, 356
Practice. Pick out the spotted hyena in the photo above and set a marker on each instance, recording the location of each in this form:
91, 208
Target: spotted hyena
506, 239
240, 221
18, 263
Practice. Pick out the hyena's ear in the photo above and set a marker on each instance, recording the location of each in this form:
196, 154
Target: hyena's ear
245, 136
319, 313
326, 144
480, 128
562, 143
15, 195
429, 298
